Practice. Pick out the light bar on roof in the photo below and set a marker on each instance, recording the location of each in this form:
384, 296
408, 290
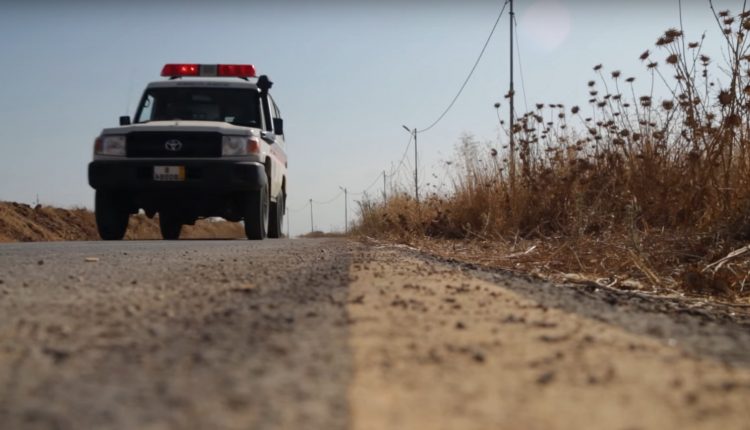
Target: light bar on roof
220, 70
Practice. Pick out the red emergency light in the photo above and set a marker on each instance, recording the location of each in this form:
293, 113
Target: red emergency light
215, 70
240, 70
180, 70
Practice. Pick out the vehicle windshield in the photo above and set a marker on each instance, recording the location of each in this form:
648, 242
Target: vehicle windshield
231, 105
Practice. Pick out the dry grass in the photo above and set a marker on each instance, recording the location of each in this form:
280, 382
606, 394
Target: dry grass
636, 188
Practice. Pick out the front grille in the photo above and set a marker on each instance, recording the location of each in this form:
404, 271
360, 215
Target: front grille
191, 144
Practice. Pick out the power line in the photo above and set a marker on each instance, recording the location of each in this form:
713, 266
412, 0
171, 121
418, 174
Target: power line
290, 209
377, 179
395, 172
466, 81
520, 66
329, 200
403, 157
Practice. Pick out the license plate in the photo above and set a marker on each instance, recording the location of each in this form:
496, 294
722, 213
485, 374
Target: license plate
169, 173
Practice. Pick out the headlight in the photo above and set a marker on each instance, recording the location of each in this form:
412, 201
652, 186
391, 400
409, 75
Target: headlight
239, 145
110, 145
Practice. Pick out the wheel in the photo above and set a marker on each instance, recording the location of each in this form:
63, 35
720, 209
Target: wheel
170, 226
111, 217
276, 217
256, 214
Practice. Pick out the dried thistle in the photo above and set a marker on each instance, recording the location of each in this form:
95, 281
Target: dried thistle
616, 74
645, 55
597, 67
672, 59
725, 98
667, 105
733, 120
673, 33
575, 110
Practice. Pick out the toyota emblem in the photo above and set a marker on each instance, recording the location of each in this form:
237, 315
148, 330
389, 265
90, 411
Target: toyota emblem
173, 145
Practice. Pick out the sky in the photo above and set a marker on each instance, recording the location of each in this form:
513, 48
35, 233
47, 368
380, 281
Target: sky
348, 75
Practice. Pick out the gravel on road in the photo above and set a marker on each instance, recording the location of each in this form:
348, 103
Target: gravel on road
333, 334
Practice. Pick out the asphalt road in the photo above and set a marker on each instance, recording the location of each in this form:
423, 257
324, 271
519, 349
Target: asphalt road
333, 334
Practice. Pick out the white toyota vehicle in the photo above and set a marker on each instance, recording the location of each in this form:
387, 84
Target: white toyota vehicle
208, 141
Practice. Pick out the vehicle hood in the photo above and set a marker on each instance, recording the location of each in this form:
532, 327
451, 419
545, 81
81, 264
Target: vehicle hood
183, 126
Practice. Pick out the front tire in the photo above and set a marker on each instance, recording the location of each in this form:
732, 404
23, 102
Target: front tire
170, 226
111, 217
276, 217
256, 214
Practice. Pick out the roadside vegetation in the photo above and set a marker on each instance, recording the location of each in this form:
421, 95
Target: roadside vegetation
629, 191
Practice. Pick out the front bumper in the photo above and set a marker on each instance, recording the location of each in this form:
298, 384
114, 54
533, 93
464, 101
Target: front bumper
200, 175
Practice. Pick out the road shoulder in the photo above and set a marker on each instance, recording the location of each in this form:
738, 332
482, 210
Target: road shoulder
435, 346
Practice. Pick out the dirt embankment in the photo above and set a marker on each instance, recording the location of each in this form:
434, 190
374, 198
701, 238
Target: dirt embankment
22, 223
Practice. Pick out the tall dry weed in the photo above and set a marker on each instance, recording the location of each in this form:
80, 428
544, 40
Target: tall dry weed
626, 164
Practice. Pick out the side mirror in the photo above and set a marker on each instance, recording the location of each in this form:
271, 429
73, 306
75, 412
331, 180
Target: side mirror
278, 126
125, 120
268, 136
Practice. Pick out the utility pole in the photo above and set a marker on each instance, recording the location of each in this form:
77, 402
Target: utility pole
416, 169
512, 94
385, 196
416, 163
346, 210
312, 225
